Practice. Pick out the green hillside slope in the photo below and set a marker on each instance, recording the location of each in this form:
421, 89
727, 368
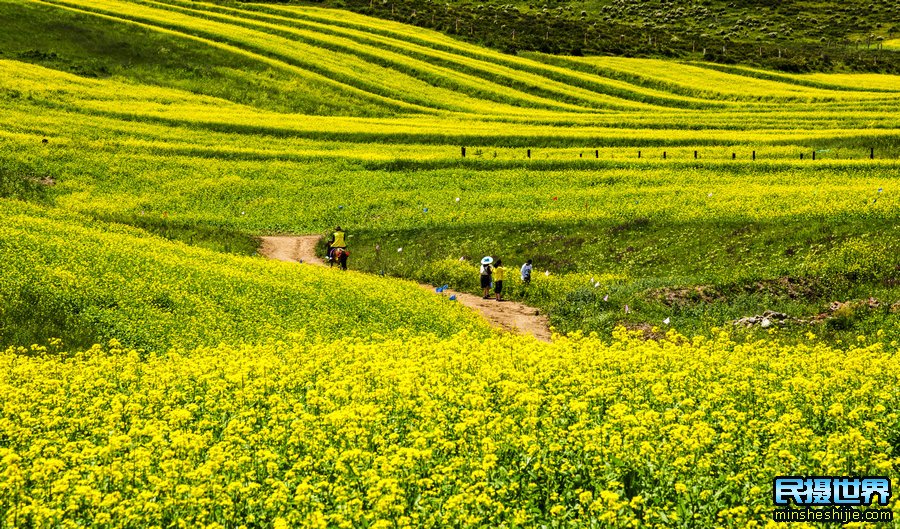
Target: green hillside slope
584, 164
82, 281
789, 35
562, 153
155, 372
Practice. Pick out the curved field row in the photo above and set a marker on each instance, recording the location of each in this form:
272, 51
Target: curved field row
811, 80
45, 89
532, 79
867, 81
435, 68
538, 63
430, 72
350, 69
442, 132
716, 84
285, 53
312, 78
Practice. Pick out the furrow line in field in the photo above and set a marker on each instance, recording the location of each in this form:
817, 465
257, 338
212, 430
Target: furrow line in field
440, 76
250, 44
504, 75
436, 40
552, 93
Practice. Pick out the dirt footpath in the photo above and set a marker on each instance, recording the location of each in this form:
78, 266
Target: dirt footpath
508, 315
300, 249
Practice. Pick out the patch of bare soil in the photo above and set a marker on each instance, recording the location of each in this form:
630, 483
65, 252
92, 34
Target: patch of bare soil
686, 295
47, 181
649, 333
297, 249
789, 287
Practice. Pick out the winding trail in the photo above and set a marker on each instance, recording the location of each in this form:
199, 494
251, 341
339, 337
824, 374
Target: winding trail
510, 316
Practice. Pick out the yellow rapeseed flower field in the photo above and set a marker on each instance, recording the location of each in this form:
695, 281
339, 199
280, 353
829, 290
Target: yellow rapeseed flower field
233, 392
421, 432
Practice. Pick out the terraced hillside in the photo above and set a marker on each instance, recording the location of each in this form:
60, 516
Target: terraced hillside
787, 35
396, 68
146, 145
657, 175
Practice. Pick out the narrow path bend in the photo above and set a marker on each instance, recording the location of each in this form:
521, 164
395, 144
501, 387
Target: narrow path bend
508, 315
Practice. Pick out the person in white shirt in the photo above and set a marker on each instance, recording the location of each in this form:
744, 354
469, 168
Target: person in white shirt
526, 272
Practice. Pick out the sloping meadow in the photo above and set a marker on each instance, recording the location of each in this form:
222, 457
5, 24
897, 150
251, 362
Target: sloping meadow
67, 277
233, 391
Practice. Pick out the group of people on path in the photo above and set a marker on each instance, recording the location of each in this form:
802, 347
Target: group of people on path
492, 274
495, 273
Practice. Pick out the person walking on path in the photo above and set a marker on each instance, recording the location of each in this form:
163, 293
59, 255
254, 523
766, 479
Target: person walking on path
486, 272
499, 276
337, 241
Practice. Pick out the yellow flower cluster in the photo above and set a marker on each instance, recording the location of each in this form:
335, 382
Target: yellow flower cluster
464, 432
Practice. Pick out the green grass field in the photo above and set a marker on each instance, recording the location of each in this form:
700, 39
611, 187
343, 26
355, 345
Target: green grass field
612, 187
787, 35
146, 145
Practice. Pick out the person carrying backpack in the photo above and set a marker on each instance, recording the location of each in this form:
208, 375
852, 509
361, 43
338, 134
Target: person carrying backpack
486, 272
